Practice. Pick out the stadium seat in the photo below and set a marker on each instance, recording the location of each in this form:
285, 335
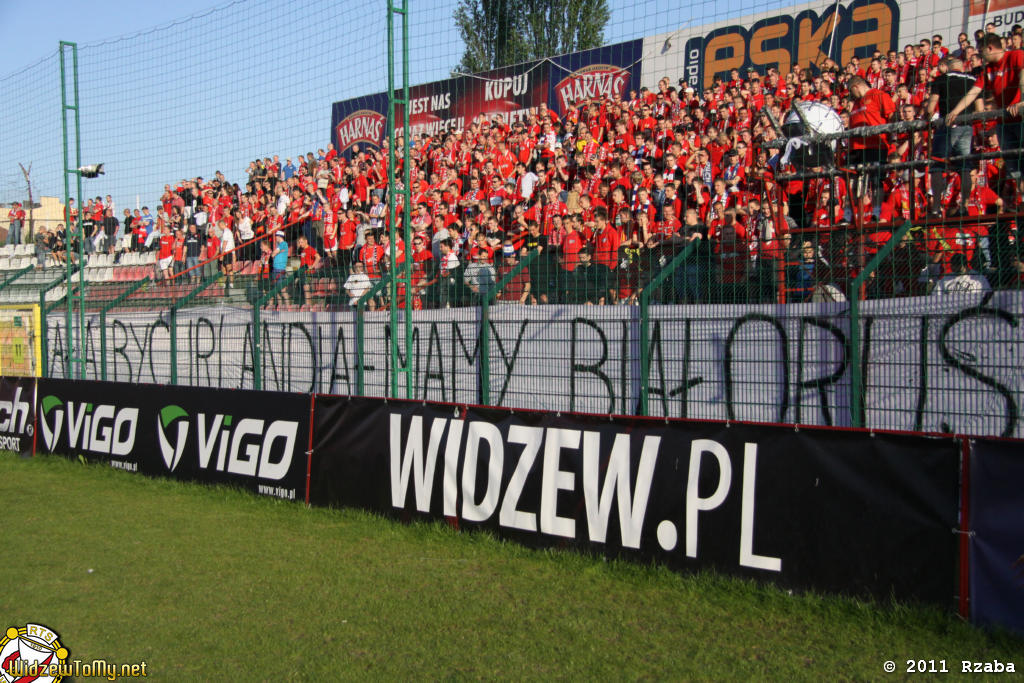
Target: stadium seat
23, 249
7, 251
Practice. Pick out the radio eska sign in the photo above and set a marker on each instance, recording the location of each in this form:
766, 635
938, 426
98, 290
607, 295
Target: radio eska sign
860, 28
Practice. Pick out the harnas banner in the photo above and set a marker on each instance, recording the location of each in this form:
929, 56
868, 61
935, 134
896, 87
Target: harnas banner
837, 511
246, 439
510, 93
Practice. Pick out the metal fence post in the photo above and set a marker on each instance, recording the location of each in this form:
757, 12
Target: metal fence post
181, 303
485, 326
645, 316
44, 328
257, 334
103, 321
856, 379
360, 331
174, 344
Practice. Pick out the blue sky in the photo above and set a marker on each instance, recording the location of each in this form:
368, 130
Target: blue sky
173, 90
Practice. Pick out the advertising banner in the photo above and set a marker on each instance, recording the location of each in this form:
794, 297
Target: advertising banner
806, 38
836, 511
442, 106
603, 72
932, 364
509, 93
17, 414
247, 439
996, 517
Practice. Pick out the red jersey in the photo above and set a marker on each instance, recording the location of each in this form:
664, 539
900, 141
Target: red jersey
606, 247
873, 109
1002, 79
347, 235
308, 257
571, 245
166, 246
372, 258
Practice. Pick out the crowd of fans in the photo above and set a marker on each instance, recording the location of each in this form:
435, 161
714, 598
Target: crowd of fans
601, 199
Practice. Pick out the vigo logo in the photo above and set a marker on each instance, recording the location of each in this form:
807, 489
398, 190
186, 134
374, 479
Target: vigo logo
14, 415
248, 447
364, 125
599, 81
103, 429
172, 454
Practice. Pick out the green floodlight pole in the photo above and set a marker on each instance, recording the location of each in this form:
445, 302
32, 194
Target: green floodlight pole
404, 277
74, 355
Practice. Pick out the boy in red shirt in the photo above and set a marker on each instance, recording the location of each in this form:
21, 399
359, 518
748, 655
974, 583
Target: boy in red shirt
309, 260
872, 107
165, 253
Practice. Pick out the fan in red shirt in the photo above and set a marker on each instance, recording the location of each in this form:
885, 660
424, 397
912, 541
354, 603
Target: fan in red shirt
1003, 78
310, 260
372, 255
165, 254
872, 107
605, 240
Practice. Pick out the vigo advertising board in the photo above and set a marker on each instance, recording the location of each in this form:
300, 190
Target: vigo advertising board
222, 437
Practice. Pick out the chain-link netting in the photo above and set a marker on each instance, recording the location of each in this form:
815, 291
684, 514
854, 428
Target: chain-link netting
659, 211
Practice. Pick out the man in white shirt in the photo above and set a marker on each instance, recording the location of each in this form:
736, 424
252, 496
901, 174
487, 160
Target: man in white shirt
357, 284
961, 280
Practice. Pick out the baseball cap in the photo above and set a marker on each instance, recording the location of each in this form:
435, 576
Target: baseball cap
280, 233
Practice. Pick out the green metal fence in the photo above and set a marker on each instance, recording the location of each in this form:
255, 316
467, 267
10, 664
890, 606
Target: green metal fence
753, 309
677, 331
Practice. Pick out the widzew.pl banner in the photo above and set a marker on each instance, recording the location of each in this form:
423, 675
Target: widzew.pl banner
836, 511
248, 439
